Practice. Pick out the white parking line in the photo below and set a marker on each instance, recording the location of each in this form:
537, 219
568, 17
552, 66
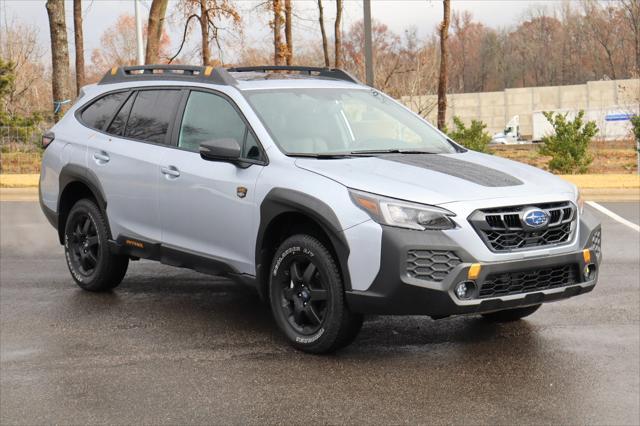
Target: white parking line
614, 216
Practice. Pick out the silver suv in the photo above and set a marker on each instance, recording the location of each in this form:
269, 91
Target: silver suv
329, 197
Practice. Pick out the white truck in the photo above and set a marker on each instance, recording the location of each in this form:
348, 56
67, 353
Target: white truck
510, 135
613, 123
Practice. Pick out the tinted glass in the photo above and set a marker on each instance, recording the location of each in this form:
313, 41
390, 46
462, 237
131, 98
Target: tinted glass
117, 125
325, 121
98, 114
151, 114
208, 117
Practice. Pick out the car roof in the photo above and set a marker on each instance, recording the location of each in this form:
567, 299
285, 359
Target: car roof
241, 78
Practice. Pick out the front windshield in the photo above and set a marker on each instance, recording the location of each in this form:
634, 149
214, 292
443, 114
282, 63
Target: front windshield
342, 121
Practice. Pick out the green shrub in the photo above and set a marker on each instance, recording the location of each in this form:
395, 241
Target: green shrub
635, 123
569, 146
473, 137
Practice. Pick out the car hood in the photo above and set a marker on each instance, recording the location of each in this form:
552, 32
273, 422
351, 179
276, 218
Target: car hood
439, 178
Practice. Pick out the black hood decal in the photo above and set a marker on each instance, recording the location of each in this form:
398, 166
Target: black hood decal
466, 170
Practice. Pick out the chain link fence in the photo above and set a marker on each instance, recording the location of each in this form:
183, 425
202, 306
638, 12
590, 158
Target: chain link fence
21, 149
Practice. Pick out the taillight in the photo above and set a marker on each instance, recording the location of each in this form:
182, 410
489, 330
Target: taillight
47, 138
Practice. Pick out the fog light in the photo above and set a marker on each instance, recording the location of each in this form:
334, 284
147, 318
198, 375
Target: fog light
589, 271
465, 289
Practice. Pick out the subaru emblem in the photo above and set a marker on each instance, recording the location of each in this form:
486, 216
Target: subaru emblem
535, 218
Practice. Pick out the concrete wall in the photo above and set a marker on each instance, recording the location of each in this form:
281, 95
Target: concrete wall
496, 108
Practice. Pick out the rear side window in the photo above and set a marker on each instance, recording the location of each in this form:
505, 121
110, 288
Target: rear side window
152, 112
119, 122
100, 112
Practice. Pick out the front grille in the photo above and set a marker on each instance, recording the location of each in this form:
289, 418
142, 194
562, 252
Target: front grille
503, 229
596, 242
431, 265
508, 283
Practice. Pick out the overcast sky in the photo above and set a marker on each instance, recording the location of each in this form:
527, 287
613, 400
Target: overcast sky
397, 14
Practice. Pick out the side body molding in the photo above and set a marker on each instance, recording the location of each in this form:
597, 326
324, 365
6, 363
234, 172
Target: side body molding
281, 201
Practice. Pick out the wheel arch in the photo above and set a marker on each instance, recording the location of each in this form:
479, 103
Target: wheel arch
285, 212
76, 183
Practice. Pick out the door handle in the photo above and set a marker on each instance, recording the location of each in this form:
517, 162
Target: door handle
170, 171
101, 157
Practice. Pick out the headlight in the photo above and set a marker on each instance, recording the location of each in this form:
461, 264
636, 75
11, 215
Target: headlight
580, 202
402, 214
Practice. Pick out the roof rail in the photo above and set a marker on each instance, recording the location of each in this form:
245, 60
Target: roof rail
210, 74
206, 74
334, 73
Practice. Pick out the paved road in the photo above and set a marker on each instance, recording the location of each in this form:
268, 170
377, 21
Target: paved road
171, 347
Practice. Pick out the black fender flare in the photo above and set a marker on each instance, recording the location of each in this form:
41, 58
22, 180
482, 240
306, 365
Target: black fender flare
282, 200
72, 173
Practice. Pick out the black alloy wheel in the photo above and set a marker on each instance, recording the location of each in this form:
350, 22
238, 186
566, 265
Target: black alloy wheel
84, 244
303, 296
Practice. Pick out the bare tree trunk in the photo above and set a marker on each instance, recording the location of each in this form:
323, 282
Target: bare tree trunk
79, 44
277, 29
442, 80
325, 46
204, 27
338, 35
288, 30
59, 57
154, 30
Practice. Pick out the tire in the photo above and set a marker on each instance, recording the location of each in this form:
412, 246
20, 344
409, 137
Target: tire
307, 298
91, 263
510, 315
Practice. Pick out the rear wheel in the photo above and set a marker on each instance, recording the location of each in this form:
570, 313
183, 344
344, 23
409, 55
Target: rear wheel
511, 314
307, 297
91, 263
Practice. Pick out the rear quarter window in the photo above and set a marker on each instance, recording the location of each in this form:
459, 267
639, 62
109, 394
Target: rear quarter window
100, 112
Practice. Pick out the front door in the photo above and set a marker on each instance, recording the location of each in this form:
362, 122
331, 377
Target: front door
208, 208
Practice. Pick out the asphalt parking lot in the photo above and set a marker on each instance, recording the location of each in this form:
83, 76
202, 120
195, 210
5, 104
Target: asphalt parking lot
170, 346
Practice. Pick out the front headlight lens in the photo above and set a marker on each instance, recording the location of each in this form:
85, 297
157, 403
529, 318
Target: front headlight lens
388, 211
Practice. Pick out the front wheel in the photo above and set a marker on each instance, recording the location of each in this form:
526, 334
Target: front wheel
91, 263
509, 315
307, 297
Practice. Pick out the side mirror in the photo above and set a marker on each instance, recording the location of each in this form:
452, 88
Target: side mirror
227, 149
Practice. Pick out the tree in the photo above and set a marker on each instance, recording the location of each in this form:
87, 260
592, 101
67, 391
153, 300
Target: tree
157, 14
59, 57
569, 145
288, 10
325, 45
278, 49
118, 46
632, 14
211, 15
31, 89
79, 44
442, 79
338, 35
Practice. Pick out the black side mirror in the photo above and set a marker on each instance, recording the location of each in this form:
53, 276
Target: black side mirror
227, 149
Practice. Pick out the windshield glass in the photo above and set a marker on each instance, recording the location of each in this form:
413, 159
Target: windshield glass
342, 121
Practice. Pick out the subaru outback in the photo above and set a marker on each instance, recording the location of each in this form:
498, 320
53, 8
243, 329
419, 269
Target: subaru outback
330, 198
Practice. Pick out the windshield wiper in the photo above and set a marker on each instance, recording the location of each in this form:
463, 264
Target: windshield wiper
391, 151
321, 156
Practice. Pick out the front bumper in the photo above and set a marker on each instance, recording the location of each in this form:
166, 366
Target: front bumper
395, 291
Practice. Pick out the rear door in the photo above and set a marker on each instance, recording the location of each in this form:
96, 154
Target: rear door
208, 207
126, 156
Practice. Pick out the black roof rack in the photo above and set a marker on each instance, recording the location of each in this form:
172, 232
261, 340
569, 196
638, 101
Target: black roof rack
334, 73
210, 74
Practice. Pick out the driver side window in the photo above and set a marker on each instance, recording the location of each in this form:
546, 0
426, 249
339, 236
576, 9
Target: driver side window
208, 117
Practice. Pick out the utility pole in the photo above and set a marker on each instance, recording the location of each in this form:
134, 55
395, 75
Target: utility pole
368, 45
140, 46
